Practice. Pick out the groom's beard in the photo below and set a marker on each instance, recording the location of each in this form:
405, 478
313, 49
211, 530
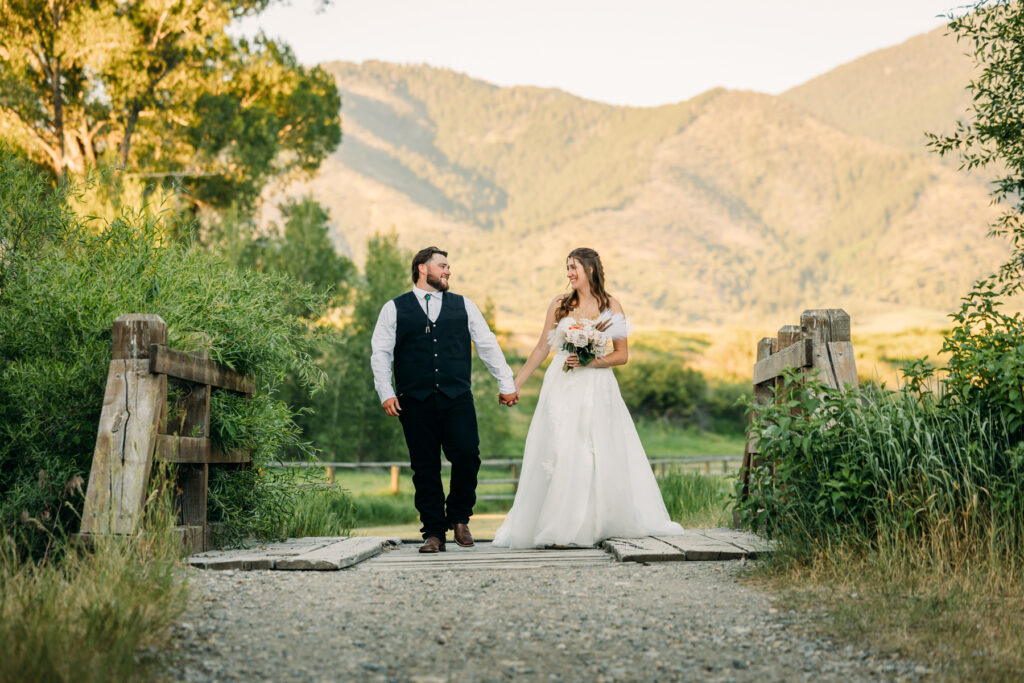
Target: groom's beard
437, 283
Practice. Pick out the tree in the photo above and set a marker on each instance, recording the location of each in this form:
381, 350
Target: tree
986, 357
993, 135
303, 250
159, 88
347, 422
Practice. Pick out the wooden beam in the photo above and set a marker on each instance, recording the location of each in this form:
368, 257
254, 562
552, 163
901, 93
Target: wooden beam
193, 368
196, 451
843, 363
798, 355
823, 327
132, 407
134, 333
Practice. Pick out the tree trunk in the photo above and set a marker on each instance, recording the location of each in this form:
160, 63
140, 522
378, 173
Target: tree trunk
129, 128
58, 115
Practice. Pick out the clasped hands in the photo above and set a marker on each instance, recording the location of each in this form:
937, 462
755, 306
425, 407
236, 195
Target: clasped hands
508, 399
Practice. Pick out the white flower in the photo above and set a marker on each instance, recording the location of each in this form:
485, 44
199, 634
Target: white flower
577, 337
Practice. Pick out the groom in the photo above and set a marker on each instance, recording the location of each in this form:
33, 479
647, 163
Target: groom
426, 333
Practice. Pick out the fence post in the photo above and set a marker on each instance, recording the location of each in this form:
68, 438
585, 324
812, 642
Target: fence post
134, 407
330, 474
193, 478
514, 470
394, 479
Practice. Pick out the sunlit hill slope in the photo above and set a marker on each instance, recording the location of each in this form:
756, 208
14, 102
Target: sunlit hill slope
731, 208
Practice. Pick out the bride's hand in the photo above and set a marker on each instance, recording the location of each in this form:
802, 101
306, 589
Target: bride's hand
573, 361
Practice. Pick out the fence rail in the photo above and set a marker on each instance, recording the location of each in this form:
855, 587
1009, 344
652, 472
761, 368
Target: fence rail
660, 463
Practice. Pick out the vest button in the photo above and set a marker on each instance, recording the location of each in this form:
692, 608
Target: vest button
435, 341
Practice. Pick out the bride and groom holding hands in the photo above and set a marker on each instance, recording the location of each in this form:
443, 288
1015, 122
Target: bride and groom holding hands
585, 476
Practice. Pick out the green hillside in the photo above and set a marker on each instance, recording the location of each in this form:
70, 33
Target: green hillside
894, 95
733, 207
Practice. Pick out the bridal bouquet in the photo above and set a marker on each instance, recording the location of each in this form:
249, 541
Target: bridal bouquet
588, 339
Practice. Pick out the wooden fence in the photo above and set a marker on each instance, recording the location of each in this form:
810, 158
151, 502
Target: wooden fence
661, 465
820, 345
134, 430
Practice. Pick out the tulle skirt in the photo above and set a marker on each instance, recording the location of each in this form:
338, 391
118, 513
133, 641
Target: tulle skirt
585, 476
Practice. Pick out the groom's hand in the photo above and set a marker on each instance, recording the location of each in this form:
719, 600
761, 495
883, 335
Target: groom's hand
391, 407
508, 399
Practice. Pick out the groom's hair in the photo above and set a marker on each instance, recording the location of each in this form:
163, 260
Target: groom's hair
422, 256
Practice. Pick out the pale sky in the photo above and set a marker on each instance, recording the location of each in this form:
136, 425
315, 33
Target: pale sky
640, 52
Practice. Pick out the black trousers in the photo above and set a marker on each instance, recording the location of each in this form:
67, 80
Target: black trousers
435, 423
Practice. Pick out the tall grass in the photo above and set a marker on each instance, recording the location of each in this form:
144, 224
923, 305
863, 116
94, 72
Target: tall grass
321, 512
902, 510
871, 463
694, 500
93, 611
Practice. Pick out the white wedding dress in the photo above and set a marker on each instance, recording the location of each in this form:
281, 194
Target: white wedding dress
585, 476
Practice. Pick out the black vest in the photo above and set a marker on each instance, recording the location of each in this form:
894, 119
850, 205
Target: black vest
434, 356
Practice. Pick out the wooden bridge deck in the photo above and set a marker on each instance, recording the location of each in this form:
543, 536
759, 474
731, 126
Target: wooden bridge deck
390, 554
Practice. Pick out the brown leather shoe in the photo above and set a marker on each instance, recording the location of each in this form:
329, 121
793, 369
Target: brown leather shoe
462, 535
432, 544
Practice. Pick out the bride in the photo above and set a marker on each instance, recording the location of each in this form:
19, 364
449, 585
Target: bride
585, 475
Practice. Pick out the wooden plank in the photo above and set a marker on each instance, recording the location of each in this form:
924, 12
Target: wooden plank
646, 549
796, 356
821, 365
699, 548
264, 556
192, 482
750, 543
126, 438
192, 368
844, 365
344, 553
187, 449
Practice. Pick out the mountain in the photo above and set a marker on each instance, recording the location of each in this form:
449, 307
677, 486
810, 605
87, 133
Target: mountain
730, 208
896, 94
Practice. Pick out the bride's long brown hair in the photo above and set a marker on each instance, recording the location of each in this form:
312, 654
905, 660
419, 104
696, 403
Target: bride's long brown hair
591, 262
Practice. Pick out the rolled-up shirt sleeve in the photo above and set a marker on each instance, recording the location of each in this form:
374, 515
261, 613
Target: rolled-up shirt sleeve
488, 350
382, 351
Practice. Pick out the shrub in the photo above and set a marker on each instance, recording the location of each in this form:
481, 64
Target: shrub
56, 310
872, 463
668, 390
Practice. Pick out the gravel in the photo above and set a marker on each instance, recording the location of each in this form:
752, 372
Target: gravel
618, 622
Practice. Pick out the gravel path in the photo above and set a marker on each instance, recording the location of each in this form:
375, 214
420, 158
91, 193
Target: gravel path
672, 621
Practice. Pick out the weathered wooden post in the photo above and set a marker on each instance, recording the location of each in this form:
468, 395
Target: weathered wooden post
134, 403
330, 474
820, 344
133, 431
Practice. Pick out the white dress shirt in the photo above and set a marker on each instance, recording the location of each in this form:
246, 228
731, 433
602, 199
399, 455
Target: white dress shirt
383, 343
